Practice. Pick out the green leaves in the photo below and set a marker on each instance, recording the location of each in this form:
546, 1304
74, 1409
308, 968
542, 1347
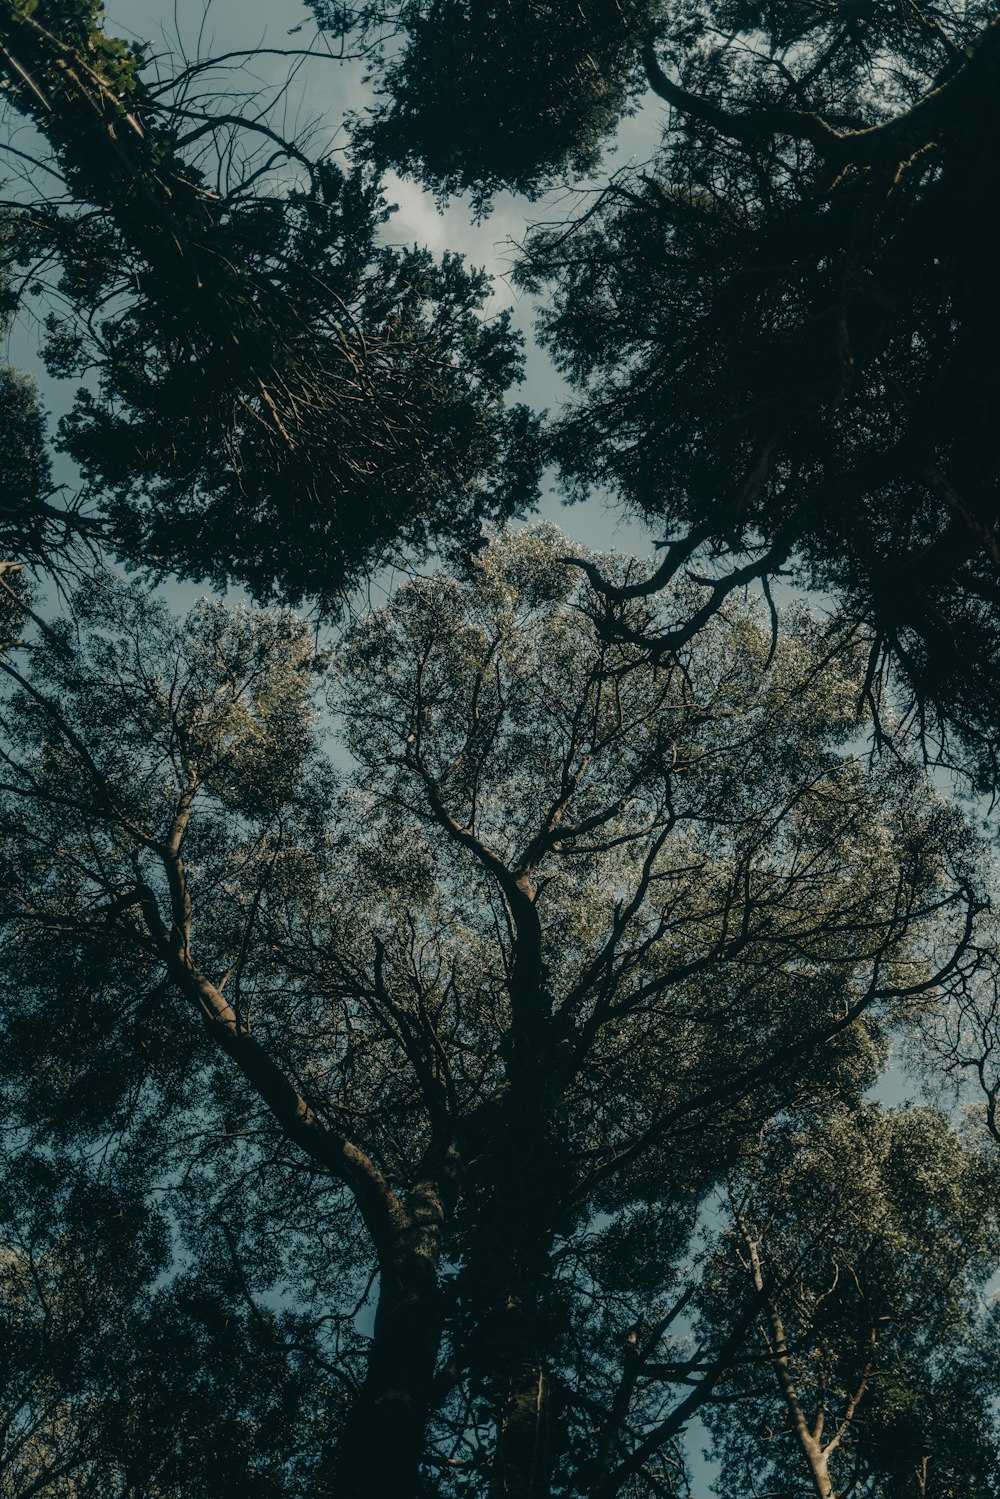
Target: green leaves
545, 1011
870, 1236
573, 938
540, 87
274, 396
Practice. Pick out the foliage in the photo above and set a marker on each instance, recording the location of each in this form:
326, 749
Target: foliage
25, 471
468, 1108
783, 334
32, 527
538, 87
272, 396
486, 1015
871, 1235
125, 1375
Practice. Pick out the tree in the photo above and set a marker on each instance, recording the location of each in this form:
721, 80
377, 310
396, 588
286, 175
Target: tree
784, 333
435, 1057
126, 1375
540, 87
869, 1237
75, 1256
487, 1014
272, 395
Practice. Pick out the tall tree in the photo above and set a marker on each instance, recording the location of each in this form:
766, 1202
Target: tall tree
272, 395
482, 1019
869, 1236
784, 333
486, 1016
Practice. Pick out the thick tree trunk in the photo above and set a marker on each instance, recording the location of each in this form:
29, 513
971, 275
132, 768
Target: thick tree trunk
522, 1466
522, 1323
383, 1440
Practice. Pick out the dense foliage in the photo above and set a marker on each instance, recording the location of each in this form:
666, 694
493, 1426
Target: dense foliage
272, 396
454, 1058
784, 330
487, 1015
539, 88
865, 1238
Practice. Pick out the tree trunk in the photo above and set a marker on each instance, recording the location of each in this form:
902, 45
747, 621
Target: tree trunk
522, 1465
385, 1434
522, 1321
383, 1439
808, 1437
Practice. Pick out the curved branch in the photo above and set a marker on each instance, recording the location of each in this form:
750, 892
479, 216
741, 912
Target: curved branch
338, 1156
893, 139
737, 1085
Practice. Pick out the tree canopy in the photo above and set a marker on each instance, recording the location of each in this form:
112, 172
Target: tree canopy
540, 87
783, 330
869, 1376
272, 396
455, 1047
485, 1016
